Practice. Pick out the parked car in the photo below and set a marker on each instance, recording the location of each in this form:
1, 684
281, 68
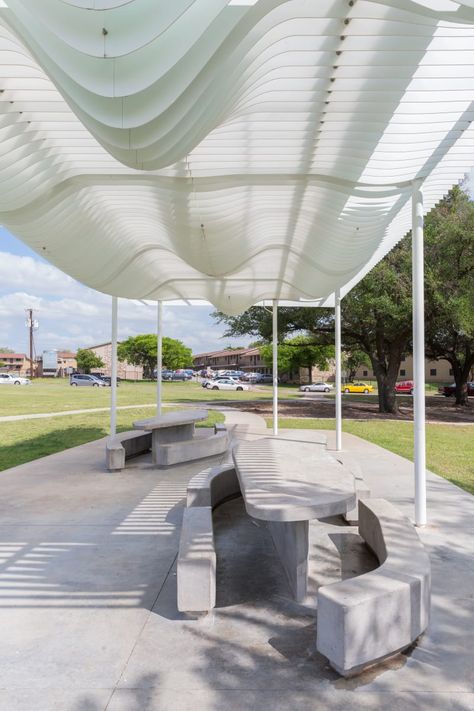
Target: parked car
317, 388
188, 374
179, 376
449, 390
106, 378
250, 377
9, 379
404, 386
357, 388
226, 384
77, 379
166, 374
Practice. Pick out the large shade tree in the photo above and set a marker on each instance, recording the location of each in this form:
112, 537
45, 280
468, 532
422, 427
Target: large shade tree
449, 286
142, 350
87, 360
298, 352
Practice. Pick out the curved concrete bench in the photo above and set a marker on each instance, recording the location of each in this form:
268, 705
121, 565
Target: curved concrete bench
125, 445
213, 486
196, 574
361, 488
365, 619
187, 450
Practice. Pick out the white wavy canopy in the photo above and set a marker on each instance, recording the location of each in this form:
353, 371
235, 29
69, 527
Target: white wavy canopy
229, 151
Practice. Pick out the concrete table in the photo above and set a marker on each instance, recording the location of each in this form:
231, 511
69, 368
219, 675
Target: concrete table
287, 484
170, 427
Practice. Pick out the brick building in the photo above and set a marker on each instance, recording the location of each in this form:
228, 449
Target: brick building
124, 369
17, 363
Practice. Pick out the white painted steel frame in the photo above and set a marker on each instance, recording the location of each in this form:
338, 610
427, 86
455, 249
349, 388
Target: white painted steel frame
419, 355
159, 356
229, 153
113, 368
275, 366
338, 379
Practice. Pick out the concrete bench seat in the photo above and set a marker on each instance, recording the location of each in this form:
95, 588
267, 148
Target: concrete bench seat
125, 445
361, 488
198, 447
196, 571
213, 486
368, 618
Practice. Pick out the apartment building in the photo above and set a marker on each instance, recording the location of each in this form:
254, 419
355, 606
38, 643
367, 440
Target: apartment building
436, 371
124, 370
17, 363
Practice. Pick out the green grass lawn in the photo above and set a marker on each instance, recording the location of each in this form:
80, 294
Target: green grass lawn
449, 448
56, 395
22, 442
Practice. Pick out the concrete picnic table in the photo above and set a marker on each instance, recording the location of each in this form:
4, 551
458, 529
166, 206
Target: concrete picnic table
287, 484
170, 427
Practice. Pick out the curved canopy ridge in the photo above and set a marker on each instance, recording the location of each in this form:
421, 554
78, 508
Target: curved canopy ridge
226, 152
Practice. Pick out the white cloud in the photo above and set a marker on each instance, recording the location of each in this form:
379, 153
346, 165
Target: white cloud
71, 315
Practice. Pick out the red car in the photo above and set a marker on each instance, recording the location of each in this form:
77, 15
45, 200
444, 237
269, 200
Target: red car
448, 390
404, 386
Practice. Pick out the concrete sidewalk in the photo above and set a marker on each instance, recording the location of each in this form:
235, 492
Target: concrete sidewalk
88, 596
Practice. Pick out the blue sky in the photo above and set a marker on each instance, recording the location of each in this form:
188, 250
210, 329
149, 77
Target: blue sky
71, 315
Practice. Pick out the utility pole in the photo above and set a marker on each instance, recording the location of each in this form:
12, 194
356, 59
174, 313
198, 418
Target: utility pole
31, 325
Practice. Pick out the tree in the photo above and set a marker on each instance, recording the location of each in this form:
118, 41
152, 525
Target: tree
352, 361
142, 350
298, 352
449, 286
87, 360
6, 350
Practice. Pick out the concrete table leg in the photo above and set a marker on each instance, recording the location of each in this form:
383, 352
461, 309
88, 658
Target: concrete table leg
291, 539
166, 435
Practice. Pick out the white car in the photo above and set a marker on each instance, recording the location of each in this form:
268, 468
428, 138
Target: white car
317, 388
8, 379
226, 384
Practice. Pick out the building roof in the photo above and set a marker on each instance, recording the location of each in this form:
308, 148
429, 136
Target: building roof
229, 152
226, 352
3, 356
66, 354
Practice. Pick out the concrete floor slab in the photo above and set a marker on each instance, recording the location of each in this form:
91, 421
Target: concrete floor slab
88, 595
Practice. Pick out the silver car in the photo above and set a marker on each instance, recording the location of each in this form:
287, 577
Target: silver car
317, 388
77, 379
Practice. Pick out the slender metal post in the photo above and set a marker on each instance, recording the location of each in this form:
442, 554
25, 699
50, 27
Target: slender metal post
337, 327
159, 355
418, 354
113, 369
275, 365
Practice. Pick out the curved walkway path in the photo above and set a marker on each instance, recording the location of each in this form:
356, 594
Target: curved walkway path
88, 595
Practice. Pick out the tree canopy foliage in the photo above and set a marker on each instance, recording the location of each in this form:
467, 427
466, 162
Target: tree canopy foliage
298, 352
142, 350
377, 312
87, 360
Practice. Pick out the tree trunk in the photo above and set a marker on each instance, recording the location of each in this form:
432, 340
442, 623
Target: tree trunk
386, 378
461, 375
310, 374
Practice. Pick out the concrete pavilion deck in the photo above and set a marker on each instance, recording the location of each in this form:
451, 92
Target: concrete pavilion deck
88, 612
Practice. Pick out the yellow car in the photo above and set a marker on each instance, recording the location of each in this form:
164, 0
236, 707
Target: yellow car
357, 388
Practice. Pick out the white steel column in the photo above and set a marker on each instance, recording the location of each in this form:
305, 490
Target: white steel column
275, 365
113, 369
159, 354
338, 383
419, 354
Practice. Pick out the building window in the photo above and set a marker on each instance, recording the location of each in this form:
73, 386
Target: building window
432, 371
451, 371
403, 372
403, 359
365, 373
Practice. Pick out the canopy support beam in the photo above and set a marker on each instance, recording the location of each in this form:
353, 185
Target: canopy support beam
338, 383
275, 365
418, 354
113, 369
159, 355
